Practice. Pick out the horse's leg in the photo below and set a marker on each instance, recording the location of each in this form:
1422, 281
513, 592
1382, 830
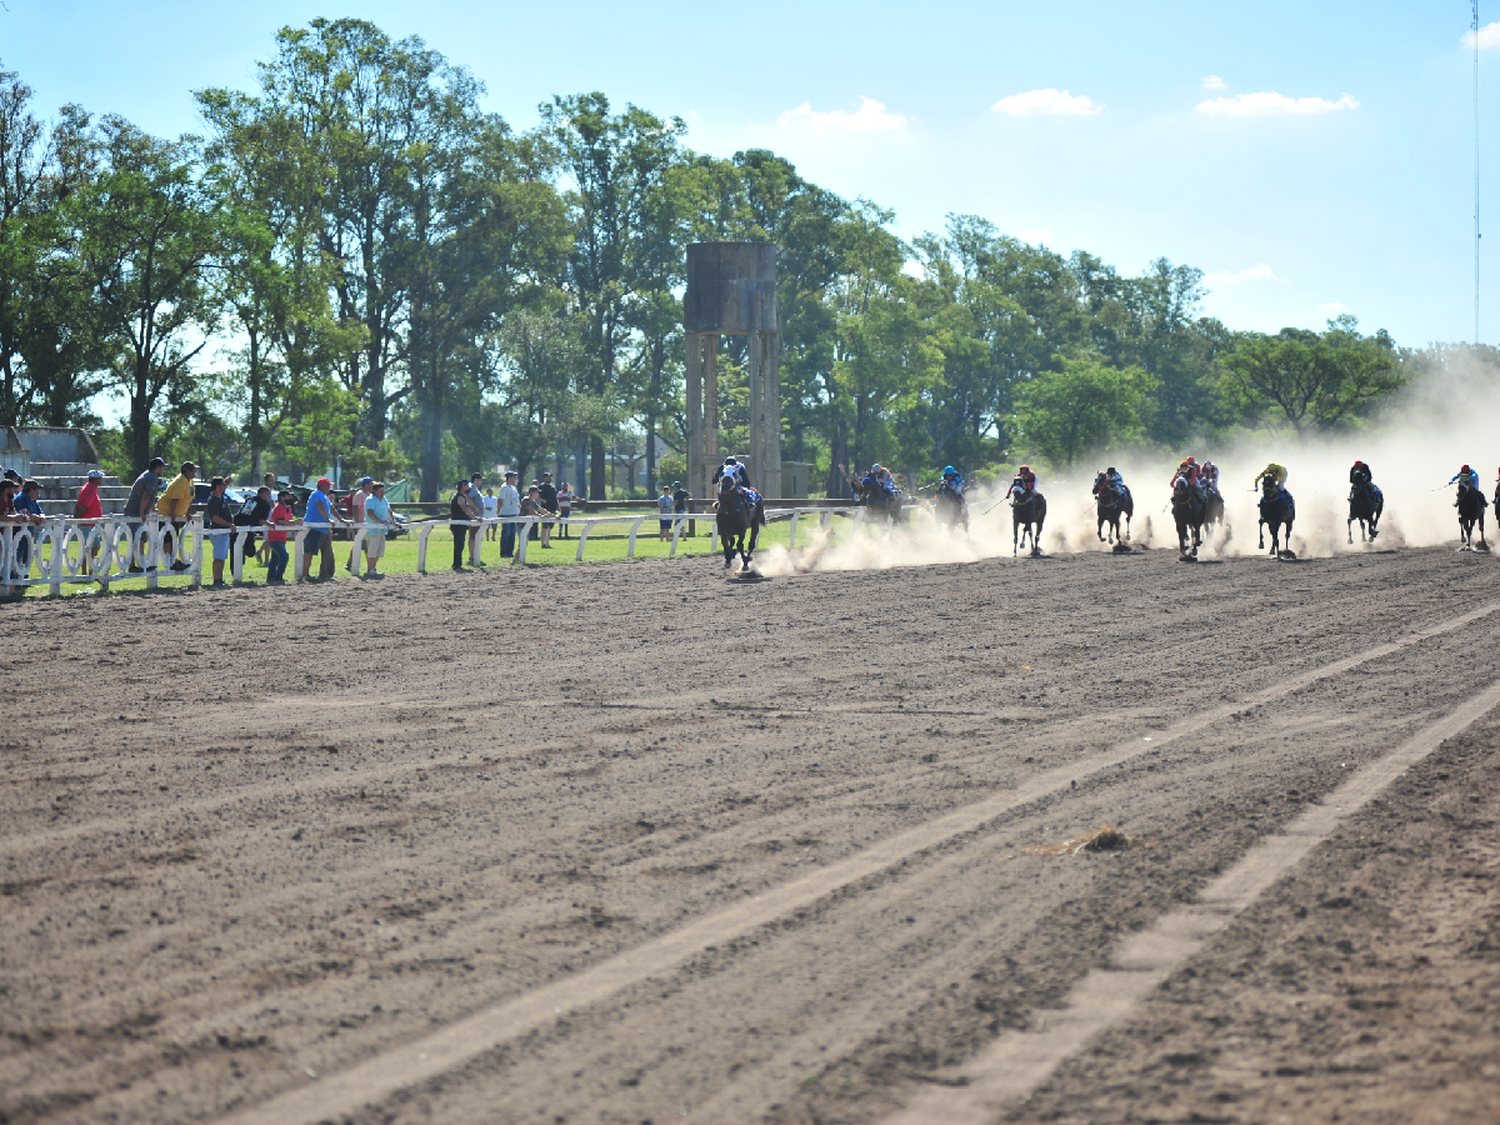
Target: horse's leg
1262, 528
1349, 525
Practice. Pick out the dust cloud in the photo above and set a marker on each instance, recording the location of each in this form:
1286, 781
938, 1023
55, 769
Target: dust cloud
1422, 440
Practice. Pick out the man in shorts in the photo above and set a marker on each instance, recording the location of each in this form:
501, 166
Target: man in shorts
319, 540
218, 519
377, 523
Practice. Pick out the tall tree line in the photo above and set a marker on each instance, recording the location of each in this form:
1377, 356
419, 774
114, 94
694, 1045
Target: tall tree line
358, 261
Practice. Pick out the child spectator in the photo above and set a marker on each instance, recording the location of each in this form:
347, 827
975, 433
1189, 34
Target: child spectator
491, 512
564, 508
665, 506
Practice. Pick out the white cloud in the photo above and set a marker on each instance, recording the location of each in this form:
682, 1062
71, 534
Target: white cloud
870, 117
913, 268
1034, 102
1333, 308
1261, 272
1489, 36
1269, 102
1214, 82
1035, 237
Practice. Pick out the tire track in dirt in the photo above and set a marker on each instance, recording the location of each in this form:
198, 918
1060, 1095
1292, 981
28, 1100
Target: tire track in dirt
1019, 1062
386, 1074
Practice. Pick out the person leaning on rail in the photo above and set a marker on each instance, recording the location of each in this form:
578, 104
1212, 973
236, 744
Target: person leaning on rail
217, 517
458, 521
175, 504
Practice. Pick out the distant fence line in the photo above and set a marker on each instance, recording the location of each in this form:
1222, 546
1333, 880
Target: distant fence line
113, 549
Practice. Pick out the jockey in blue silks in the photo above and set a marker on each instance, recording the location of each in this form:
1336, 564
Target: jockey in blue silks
953, 481
734, 468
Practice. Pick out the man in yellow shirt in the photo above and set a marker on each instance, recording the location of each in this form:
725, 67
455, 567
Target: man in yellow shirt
175, 504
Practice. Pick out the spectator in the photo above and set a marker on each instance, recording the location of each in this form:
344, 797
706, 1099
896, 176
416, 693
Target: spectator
531, 503
458, 521
510, 508
11, 474
269, 481
9, 521
254, 514
175, 504
474, 502
564, 508
547, 496
320, 539
283, 516
29, 508
142, 501
665, 506
357, 500
377, 523
89, 507
219, 522
680, 498
491, 513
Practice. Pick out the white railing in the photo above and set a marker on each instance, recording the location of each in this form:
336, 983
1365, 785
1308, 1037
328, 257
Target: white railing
111, 549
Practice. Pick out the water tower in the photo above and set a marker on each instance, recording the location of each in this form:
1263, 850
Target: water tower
731, 291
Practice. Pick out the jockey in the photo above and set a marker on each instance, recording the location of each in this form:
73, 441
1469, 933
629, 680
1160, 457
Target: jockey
1466, 478
1112, 480
1362, 476
736, 471
1208, 473
953, 481
1024, 484
1187, 471
1273, 472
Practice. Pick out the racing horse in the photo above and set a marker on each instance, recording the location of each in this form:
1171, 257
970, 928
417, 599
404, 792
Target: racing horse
885, 505
950, 509
1028, 511
1213, 507
1365, 505
1189, 506
735, 517
1278, 509
1471, 505
1111, 506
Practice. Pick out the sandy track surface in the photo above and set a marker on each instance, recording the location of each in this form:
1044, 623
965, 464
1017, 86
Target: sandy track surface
768, 841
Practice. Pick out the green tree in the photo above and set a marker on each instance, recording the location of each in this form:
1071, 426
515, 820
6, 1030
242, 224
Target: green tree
1311, 382
148, 232
1084, 406
618, 165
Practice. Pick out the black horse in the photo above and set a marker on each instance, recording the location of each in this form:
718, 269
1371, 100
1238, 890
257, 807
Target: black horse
1278, 509
1365, 505
736, 517
1028, 511
1471, 506
1189, 506
885, 505
1213, 507
950, 508
1112, 503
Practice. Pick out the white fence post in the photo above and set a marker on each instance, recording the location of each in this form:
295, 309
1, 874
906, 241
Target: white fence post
523, 536
677, 521
791, 531
356, 548
237, 555
58, 538
474, 551
582, 538
422, 547
299, 549
635, 527
196, 566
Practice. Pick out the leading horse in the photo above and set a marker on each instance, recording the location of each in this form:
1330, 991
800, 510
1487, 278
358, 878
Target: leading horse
1278, 509
1365, 505
1028, 511
1189, 506
736, 516
1112, 503
1471, 505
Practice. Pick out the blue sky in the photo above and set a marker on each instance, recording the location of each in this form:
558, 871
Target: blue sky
1312, 158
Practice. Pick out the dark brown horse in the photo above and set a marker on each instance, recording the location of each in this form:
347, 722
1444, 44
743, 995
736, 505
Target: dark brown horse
1112, 504
1365, 505
1471, 505
1189, 506
1028, 511
736, 517
1277, 510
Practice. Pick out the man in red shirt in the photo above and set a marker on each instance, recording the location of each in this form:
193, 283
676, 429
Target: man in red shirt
89, 507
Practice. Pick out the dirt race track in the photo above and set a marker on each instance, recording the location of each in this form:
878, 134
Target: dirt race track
635, 843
